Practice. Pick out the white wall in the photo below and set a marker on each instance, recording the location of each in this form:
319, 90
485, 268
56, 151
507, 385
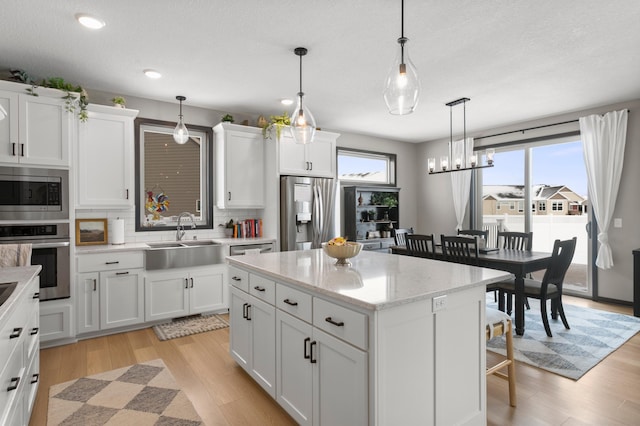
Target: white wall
437, 215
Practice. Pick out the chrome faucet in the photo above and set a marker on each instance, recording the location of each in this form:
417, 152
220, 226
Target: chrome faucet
180, 228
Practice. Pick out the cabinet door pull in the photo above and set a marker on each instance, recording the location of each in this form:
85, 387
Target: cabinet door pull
259, 288
306, 353
36, 295
13, 386
34, 331
95, 284
16, 333
229, 196
21, 150
289, 302
13, 149
122, 273
186, 283
127, 194
115, 262
248, 312
35, 378
244, 310
191, 279
331, 321
236, 278
310, 165
312, 359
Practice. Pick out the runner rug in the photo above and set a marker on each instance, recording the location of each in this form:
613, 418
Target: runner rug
187, 326
594, 334
140, 394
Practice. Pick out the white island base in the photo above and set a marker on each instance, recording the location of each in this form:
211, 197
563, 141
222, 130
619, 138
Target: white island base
391, 340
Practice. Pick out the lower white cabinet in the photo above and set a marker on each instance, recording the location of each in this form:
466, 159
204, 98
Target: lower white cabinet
113, 294
252, 338
179, 292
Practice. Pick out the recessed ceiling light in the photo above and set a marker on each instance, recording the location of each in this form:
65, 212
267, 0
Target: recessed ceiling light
90, 21
286, 101
152, 73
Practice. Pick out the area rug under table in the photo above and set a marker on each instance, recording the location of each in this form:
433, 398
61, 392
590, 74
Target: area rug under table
189, 325
594, 334
140, 394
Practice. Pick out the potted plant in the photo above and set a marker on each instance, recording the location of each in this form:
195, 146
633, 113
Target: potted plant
227, 118
372, 215
277, 122
228, 228
119, 102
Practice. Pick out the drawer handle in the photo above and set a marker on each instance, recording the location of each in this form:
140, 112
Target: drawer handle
36, 295
306, 353
312, 359
15, 380
35, 378
122, 273
115, 262
16, 333
34, 331
289, 302
259, 288
331, 321
236, 278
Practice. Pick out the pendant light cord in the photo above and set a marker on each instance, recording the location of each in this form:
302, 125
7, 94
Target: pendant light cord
300, 93
402, 40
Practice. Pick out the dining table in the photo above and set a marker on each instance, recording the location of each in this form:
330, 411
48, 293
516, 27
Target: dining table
518, 262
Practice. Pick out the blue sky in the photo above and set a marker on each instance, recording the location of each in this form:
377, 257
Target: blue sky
560, 164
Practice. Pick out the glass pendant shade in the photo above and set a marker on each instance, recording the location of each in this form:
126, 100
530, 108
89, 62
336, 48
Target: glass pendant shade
402, 86
303, 125
180, 133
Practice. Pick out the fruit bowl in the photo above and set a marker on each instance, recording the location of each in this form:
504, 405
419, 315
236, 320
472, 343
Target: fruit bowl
342, 252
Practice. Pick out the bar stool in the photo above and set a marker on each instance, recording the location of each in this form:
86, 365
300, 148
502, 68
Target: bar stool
497, 324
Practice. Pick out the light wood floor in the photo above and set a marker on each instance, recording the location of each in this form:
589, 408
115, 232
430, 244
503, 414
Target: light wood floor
223, 394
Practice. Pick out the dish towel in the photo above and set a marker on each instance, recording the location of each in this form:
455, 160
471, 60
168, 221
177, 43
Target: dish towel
15, 255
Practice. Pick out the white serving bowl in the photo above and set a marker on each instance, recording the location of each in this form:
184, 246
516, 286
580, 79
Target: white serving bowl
342, 253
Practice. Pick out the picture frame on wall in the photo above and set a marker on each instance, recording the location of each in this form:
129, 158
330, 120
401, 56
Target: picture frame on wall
91, 232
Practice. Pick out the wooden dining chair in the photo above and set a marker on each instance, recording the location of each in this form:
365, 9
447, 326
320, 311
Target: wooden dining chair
400, 236
515, 240
420, 245
550, 288
497, 324
460, 249
475, 233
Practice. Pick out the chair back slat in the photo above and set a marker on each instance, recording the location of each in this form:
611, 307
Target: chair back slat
400, 236
515, 240
460, 249
561, 258
420, 245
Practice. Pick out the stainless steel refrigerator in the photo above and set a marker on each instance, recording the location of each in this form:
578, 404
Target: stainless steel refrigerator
307, 216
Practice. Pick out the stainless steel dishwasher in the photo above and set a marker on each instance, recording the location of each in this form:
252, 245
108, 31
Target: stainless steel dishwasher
237, 250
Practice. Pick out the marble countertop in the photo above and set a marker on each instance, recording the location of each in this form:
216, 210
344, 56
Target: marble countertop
374, 281
111, 248
22, 275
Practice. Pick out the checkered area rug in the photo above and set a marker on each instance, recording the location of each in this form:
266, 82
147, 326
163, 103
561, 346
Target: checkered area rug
594, 334
189, 325
140, 394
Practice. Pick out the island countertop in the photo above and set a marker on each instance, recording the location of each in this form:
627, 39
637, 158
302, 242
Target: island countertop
374, 281
22, 275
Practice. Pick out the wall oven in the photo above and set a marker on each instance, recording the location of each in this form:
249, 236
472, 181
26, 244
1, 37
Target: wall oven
33, 194
50, 248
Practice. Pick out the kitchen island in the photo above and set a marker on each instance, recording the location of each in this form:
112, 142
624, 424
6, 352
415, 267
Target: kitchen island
389, 340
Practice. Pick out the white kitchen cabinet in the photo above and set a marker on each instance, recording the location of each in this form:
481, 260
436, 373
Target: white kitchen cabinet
105, 161
110, 291
37, 130
240, 170
317, 372
176, 293
317, 158
252, 338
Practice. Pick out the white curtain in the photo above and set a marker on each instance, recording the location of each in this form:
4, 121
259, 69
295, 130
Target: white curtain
603, 141
460, 181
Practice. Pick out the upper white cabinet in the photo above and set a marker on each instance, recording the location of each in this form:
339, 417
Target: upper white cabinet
317, 158
37, 129
105, 177
240, 173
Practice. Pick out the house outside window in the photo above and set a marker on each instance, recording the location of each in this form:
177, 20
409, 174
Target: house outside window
542, 206
556, 206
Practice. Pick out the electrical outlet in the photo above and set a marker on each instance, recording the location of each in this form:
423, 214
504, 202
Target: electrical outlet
439, 303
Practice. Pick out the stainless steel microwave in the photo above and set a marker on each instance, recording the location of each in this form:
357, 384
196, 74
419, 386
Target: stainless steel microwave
33, 194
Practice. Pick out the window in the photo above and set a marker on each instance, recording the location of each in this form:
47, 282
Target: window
355, 166
556, 206
542, 206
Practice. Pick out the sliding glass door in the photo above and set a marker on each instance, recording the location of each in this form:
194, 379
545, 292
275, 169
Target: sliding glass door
541, 187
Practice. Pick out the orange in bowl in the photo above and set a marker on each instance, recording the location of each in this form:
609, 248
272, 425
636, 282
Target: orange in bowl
342, 252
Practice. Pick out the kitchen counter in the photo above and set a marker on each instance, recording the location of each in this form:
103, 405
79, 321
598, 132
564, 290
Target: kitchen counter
110, 248
22, 275
375, 281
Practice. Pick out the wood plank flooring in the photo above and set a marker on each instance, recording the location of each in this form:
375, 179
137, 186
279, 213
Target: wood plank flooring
223, 394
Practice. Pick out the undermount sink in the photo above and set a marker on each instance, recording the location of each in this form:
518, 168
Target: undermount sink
183, 254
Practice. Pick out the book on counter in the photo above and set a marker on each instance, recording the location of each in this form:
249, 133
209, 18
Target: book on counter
248, 228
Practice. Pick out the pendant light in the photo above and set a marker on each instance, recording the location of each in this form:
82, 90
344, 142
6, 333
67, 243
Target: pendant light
402, 86
462, 162
303, 125
180, 133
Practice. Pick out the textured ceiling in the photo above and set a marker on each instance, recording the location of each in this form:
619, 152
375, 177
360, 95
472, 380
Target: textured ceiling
516, 59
